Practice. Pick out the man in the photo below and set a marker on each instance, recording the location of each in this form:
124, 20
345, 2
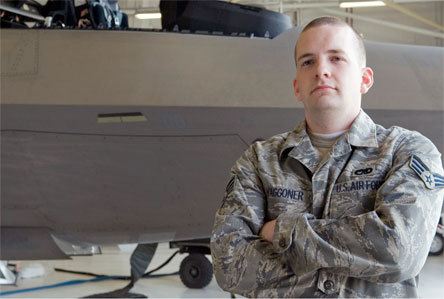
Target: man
339, 207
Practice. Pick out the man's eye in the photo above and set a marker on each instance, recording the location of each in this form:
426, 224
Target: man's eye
307, 62
336, 58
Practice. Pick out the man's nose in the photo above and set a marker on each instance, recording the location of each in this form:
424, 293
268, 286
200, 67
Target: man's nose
322, 69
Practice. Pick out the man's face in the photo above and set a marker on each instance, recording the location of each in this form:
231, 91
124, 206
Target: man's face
330, 75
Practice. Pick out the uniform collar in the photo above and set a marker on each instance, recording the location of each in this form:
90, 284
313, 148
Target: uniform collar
298, 145
363, 131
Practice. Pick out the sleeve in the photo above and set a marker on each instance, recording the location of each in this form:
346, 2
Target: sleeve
244, 263
388, 244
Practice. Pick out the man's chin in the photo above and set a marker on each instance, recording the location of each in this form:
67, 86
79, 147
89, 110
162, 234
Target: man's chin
327, 103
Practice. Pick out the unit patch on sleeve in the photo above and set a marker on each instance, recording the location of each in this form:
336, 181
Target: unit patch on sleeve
430, 179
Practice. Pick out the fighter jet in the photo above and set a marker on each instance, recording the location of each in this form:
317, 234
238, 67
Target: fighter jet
111, 137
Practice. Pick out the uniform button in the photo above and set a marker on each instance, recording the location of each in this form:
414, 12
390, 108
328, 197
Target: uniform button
282, 243
328, 284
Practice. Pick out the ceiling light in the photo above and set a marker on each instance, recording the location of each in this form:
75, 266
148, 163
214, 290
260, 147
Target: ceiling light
148, 16
351, 4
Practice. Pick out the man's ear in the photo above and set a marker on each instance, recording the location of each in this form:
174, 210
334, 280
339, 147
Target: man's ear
367, 79
296, 90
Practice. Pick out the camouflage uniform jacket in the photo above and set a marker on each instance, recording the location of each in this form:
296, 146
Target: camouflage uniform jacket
357, 223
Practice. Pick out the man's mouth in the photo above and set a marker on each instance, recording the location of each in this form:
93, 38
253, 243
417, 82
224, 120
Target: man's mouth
322, 87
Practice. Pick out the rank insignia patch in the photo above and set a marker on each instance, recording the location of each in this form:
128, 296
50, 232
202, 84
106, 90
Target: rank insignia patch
431, 180
230, 185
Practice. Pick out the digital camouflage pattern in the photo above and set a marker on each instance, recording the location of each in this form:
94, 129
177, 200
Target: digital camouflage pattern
358, 223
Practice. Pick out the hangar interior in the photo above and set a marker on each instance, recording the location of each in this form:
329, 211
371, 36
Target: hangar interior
411, 22
402, 23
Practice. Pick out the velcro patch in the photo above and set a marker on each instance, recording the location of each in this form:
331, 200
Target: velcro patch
430, 179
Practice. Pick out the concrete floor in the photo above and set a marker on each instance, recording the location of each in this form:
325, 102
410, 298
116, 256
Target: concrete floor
113, 261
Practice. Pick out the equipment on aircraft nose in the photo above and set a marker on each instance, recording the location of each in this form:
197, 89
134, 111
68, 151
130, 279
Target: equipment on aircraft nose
219, 16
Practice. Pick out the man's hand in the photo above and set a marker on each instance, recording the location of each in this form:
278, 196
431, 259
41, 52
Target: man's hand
267, 231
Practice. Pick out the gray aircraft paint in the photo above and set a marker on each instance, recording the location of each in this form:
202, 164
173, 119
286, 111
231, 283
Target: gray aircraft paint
169, 69
160, 176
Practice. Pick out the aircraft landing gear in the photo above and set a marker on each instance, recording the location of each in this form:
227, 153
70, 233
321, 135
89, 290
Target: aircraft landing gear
6, 275
437, 245
195, 270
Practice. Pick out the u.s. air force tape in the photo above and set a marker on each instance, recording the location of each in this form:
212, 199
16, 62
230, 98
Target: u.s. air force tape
430, 179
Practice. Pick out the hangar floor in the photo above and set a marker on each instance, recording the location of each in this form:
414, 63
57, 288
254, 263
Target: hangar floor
113, 261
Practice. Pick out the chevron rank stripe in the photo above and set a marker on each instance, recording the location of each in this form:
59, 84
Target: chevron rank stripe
418, 164
230, 185
439, 180
431, 180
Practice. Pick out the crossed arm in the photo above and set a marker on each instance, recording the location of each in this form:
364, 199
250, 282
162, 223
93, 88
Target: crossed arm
388, 244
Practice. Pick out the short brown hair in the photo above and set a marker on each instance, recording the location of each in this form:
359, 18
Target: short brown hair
328, 20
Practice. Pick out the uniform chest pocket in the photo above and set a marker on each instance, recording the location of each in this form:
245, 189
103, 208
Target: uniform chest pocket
281, 199
359, 171
353, 197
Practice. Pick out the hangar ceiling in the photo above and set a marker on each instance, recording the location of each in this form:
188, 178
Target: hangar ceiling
418, 22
